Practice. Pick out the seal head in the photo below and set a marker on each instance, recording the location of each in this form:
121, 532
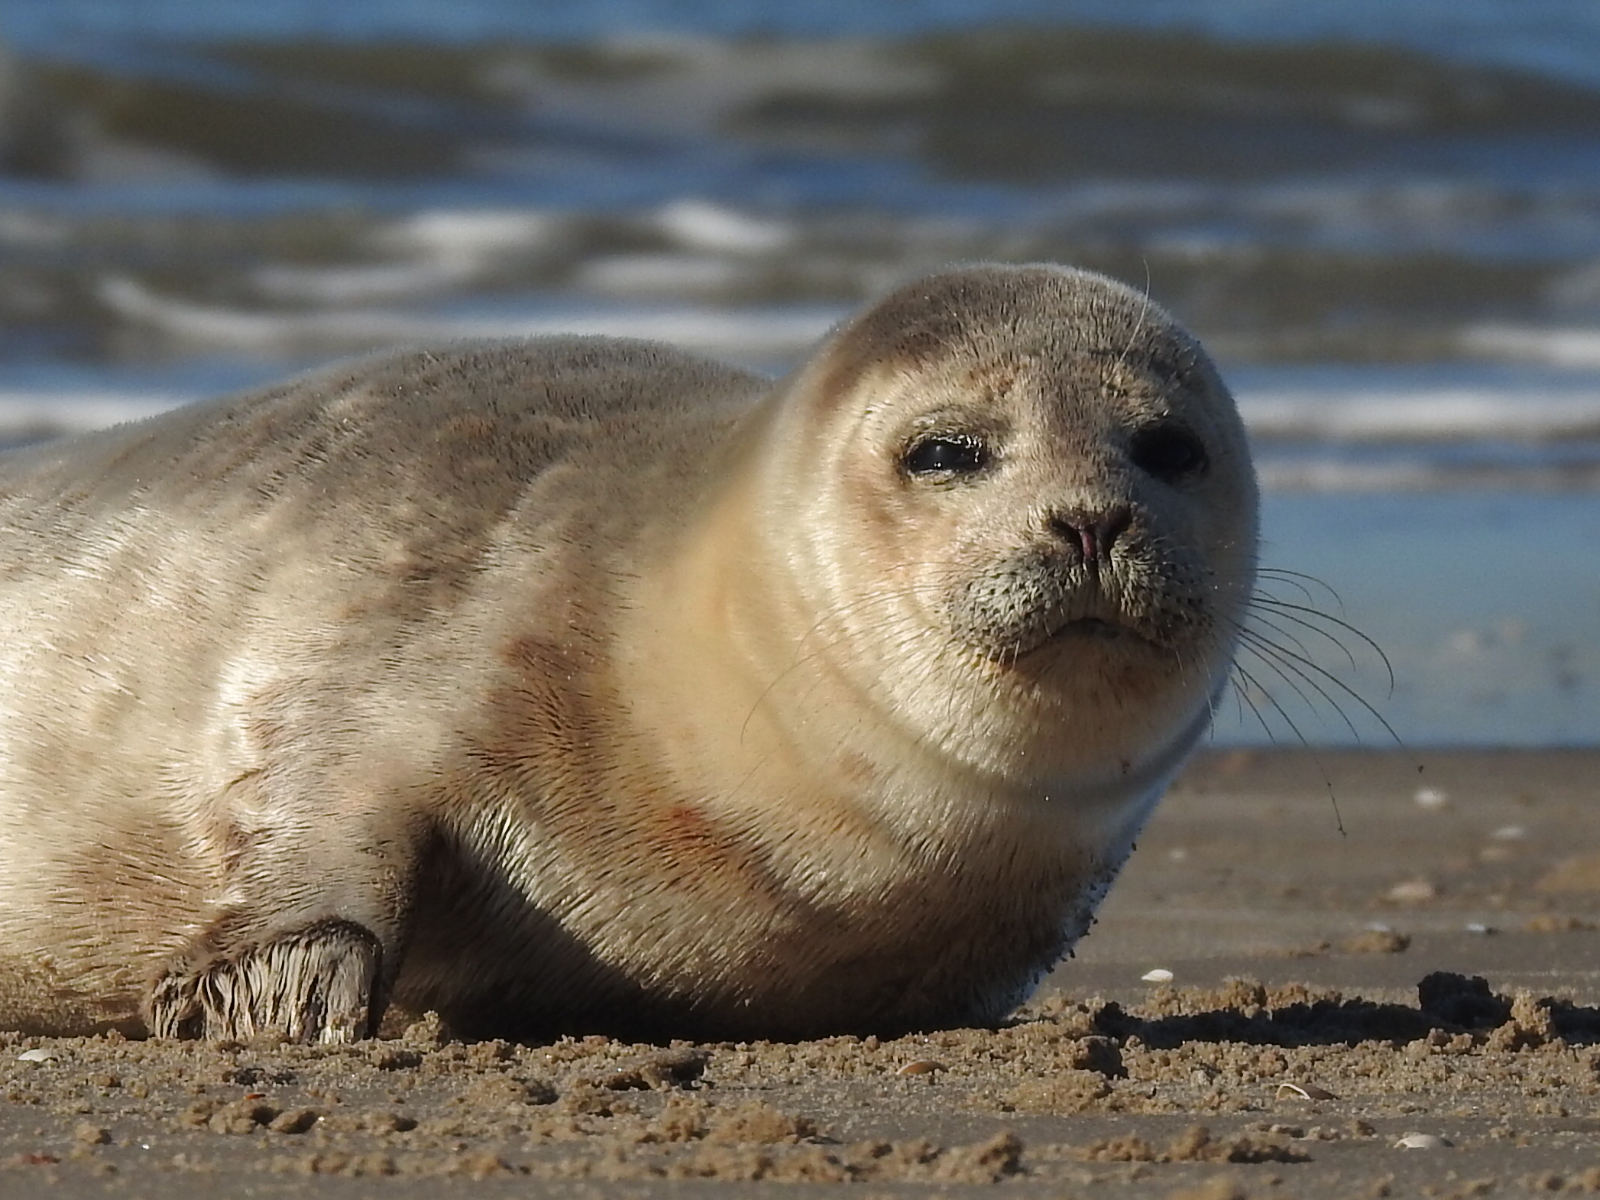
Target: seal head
1050, 511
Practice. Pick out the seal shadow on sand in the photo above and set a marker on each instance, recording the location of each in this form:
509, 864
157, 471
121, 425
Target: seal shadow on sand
1450, 1007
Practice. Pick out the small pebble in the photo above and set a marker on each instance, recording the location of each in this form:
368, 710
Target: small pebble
1157, 975
42, 1054
1422, 1141
922, 1066
1412, 891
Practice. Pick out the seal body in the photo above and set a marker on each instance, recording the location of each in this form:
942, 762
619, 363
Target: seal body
580, 685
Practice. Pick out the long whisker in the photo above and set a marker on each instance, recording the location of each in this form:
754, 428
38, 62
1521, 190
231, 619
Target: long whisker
1245, 701
1258, 604
1289, 636
1338, 817
1273, 702
1262, 578
1299, 580
1304, 668
1283, 606
1281, 663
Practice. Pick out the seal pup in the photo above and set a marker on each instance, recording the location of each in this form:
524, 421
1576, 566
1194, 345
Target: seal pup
580, 685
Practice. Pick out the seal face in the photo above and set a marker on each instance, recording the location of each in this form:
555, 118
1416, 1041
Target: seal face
580, 685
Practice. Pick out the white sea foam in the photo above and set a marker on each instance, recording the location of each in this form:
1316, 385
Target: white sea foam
468, 233
1439, 413
29, 413
360, 285
425, 253
749, 336
1573, 347
1333, 475
701, 225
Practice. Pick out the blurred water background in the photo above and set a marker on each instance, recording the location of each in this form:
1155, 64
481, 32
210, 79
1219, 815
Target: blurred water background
1383, 218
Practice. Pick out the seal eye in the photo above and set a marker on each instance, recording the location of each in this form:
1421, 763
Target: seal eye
1169, 452
945, 455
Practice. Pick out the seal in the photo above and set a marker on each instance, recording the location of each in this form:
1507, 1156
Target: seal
580, 685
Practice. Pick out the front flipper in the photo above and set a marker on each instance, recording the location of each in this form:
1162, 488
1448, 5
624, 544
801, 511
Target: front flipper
319, 983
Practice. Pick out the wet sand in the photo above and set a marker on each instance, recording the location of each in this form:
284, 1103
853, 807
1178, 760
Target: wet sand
1430, 975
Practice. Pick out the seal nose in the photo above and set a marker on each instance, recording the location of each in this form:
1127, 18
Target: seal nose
1091, 533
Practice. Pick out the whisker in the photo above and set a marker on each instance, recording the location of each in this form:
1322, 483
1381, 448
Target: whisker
1300, 665
1259, 603
1271, 700
1244, 701
1299, 580
1289, 635
1338, 817
1284, 606
1262, 578
1138, 326
1281, 663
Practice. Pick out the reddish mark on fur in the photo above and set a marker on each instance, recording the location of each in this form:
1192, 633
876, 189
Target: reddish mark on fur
699, 848
686, 827
858, 770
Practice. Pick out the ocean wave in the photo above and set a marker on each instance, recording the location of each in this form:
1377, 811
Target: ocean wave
32, 415
335, 265
1018, 102
1443, 414
747, 336
1557, 347
1332, 475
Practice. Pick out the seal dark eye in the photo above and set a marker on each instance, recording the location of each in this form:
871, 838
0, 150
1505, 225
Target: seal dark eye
945, 455
1169, 452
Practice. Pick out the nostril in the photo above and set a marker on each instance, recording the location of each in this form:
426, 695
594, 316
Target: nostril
1092, 533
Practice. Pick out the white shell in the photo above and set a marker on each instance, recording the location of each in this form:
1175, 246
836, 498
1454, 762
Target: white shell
1422, 1141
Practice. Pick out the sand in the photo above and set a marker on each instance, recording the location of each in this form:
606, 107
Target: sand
1409, 1007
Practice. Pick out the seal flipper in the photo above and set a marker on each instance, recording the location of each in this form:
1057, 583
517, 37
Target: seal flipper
308, 913
320, 983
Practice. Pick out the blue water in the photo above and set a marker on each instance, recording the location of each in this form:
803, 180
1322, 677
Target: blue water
1486, 605
1397, 266
1560, 37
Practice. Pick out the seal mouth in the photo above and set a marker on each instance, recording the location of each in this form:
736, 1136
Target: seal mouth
1101, 630
1035, 605
1097, 628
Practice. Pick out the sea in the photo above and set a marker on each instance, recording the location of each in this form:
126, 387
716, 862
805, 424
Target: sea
1382, 216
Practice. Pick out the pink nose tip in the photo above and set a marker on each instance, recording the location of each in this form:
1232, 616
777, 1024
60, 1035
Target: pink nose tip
1091, 533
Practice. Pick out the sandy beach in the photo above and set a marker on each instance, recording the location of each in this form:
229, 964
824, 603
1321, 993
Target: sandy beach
1408, 1007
